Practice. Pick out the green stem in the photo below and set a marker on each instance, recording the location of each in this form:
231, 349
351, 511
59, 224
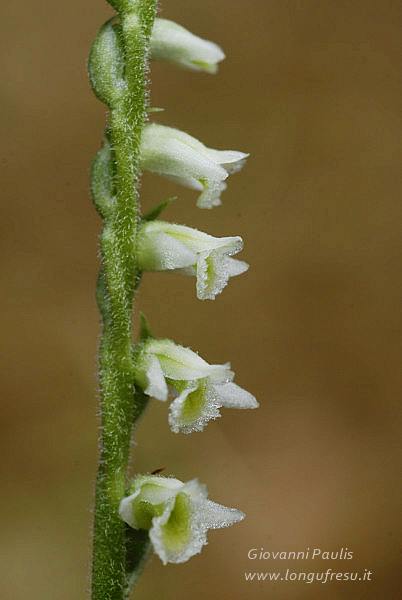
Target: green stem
120, 404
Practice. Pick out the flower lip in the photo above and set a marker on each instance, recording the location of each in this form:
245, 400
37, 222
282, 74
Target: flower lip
200, 402
156, 382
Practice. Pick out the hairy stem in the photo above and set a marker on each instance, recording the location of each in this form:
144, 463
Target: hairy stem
119, 403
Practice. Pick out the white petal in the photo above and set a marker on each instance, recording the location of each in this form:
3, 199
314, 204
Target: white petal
166, 151
193, 239
211, 195
126, 509
212, 276
214, 270
181, 136
174, 43
220, 373
198, 491
157, 386
231, 160
158, 251
236, 267
182, 363
216, 516
149, 489
157, 489
233, 396
196, 538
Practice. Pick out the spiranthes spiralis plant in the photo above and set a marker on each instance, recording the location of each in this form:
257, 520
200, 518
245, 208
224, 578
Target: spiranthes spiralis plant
153, 511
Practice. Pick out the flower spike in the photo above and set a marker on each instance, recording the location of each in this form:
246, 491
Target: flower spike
184, 159
176, 514
201, 389
163, 512
163, 246
175, 44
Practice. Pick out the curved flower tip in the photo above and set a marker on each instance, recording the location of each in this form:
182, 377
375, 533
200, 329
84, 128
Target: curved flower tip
184, 159
174, 43
176, 514
202, 389
164, 246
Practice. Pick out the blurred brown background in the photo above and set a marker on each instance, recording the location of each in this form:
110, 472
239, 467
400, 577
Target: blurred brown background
313, 90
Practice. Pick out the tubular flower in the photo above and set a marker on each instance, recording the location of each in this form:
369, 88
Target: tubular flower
201, 389
182, 158
174, 43
164, 246
176, 514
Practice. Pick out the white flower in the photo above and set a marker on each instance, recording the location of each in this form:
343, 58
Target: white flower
176, 514
164, 246
200, 402
202, 389
174, 43
182, 158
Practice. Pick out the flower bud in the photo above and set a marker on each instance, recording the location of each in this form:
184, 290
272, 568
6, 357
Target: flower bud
175, 44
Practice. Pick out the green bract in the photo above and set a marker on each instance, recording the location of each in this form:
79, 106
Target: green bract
102, 186
106, 65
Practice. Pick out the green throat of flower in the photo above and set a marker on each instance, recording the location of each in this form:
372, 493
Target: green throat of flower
177, 530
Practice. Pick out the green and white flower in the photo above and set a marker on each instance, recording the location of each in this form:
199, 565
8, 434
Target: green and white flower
164, 246
174, 43
184, 159
201, 389
176, 514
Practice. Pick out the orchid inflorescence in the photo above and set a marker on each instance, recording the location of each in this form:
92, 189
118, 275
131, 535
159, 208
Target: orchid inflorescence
171, 516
